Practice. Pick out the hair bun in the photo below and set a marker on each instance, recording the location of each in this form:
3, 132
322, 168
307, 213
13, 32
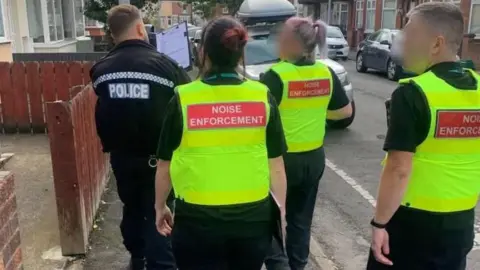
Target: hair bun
234, 39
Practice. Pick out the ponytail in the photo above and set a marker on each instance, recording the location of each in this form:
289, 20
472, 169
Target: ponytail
321, 33
311, 34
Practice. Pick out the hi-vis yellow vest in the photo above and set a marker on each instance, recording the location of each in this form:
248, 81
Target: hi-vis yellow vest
222, 158
306, 94
446, 166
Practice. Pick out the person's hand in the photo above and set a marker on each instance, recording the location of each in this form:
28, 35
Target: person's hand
164, 220
380, 246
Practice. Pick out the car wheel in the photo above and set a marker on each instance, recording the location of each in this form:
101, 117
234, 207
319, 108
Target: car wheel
344, 123
345, 58
360, 65
392, 71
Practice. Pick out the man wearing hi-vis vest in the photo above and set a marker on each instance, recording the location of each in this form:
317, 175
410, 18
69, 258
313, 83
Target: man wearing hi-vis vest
424, 218
307, 92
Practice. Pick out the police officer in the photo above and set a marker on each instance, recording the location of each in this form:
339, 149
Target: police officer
424, 217
134, 84
221, 148
308, 92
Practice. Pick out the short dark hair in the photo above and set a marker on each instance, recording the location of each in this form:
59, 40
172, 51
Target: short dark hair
121, 17
445, 18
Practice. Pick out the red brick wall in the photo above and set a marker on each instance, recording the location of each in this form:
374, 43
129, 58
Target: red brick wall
11, 254
177, 9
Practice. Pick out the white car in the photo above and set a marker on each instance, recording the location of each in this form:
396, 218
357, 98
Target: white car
337, 46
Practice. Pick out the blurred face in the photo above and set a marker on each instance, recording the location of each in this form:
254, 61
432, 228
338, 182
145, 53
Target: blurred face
421, 45
288, 45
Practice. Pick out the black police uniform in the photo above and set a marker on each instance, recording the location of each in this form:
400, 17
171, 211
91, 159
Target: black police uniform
134, 84
203, 235
304, 171
421, 240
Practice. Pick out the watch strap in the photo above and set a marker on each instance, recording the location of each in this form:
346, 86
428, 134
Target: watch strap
377, 225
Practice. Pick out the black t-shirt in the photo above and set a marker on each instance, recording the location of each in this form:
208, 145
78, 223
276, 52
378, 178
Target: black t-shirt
338, 100
409, 124
274, 83
237, 215
133, 83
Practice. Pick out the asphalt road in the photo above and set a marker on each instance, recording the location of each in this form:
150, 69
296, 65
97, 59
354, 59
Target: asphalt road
341, 231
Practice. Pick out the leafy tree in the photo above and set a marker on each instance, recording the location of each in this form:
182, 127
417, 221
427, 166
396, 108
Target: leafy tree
233, 5
97, 9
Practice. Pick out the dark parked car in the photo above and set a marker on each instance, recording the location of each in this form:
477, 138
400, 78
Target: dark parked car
374, 53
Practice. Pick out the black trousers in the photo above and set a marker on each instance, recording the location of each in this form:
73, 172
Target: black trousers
199, 248
304, 171
418, 243
136, 189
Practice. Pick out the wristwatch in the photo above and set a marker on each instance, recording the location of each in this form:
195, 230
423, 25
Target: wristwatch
377, 225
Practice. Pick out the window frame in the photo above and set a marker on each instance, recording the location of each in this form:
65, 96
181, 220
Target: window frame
337, 8
371, 9
3, 14
75, 18
358, 10
473, 2
389, 9
57, 40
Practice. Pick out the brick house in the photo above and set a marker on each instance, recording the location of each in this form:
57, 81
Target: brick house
363, 17
173, 12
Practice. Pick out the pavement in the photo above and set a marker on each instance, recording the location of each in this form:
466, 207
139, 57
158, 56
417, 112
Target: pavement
36, 206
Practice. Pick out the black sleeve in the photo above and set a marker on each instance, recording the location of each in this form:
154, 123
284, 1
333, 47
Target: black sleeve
276, 143
409, 119
339, 97
274, 83
172, 130
180, 76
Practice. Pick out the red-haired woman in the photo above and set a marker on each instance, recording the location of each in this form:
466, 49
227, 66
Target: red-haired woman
221, 149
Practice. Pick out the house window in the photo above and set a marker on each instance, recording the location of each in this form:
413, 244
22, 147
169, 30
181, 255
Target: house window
475, 18
389, 14
225, 10
2, 18
339, 13
79, 18
169, 21
370, 25
455, 2
35, 22
324, 12
55, 20
359, 13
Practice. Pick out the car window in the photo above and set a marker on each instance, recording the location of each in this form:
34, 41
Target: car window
385, 36
260, 51
374, 36
334, 32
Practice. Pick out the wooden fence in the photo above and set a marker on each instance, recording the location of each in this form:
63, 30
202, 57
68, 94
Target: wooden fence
80, 168
25, 87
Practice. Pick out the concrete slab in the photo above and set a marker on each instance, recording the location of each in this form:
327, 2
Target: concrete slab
35, 198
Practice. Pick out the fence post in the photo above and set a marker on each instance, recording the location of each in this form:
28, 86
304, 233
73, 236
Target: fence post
71, 214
